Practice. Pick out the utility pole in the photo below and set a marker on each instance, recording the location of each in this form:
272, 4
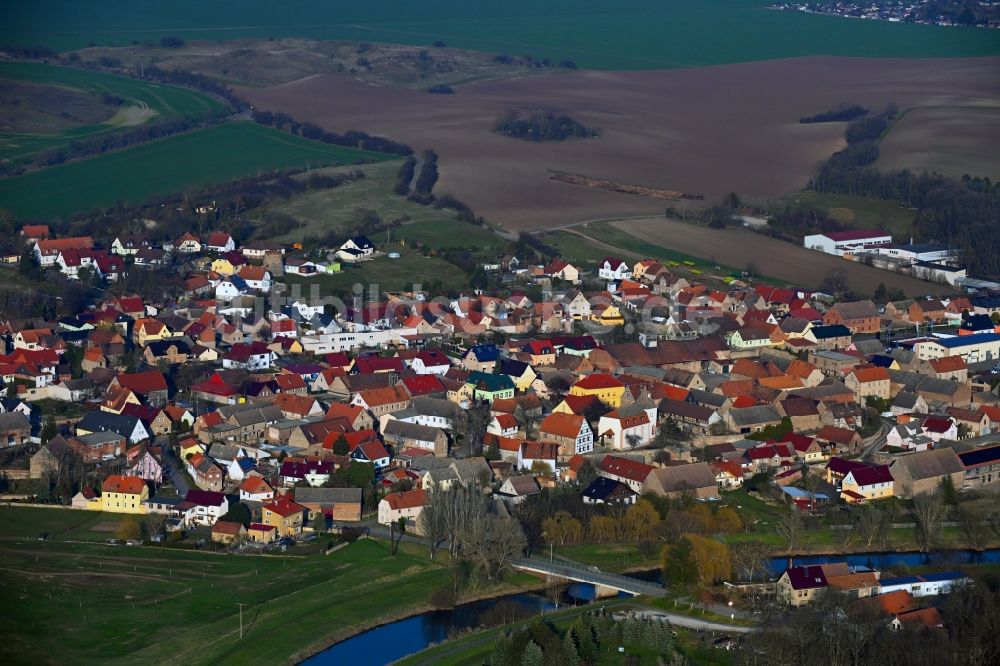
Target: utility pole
241, 618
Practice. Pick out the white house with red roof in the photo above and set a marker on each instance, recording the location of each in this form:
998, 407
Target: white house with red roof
615, 269
503, 425
220, 241
374, 452
619, 428
632, 473
545, 453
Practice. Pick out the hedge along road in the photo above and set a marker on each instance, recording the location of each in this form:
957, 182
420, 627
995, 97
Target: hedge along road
175, 164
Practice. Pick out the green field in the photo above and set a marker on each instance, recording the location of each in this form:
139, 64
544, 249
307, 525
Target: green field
860, 212
630, 34
388, 274
163, 101
178, 163
337, 208
119, 604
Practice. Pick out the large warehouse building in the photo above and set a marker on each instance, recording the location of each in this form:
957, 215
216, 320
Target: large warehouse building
840, 242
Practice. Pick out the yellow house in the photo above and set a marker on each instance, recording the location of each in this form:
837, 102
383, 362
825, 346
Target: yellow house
521, 373
189, 447
607, 315
606, 388
149, 330
867, 483
460, 394
124, 494
223, 266
285, 516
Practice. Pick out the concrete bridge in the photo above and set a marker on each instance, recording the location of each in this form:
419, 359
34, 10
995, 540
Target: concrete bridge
607, 584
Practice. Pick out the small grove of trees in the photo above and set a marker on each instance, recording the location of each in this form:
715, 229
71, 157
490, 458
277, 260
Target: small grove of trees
696, 559
590, 636
461, 518
542, 126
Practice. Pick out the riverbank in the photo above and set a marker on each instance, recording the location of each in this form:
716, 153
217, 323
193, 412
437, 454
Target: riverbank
517, 584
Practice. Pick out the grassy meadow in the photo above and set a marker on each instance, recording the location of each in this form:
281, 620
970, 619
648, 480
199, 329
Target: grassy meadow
389, 274
178, 163
120, 604
338, 208
631, 34
143, 101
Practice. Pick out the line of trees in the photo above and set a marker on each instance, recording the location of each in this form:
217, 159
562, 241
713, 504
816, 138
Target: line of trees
351, 138
542, 126
843, 113
405, 176
428, 175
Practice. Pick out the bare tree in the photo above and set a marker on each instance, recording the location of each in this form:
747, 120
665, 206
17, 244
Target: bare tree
929, 510
749, 557
433, 525
494, 543
789, 528
972, 521
871, 524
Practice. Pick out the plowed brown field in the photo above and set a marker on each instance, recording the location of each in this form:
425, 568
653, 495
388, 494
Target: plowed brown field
706, 131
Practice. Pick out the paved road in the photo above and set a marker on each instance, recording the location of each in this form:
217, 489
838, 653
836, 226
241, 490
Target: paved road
687, 621
589, 574
173, 470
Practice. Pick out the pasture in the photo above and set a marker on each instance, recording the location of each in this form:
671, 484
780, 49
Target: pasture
140, 102
673, 129
857, 212
118, 604
340, 208
430, 272
178, 163
630, 34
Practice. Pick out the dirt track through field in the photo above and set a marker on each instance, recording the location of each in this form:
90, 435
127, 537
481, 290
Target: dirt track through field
709, 131
774, 258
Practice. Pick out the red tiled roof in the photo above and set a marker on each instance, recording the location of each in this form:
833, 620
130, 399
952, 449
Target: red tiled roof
143, 383
284, 507
539, 451
562, 425
597, 381
626, 468
419, 385
408, 499
129, 485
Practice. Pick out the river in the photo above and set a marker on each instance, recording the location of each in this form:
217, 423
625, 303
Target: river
396, 640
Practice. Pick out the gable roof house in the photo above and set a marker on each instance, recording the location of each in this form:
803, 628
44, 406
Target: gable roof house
403, 435
696, 480
571, 432
632, 473
921, 473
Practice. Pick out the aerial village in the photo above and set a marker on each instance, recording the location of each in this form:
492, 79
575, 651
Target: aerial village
249, 416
